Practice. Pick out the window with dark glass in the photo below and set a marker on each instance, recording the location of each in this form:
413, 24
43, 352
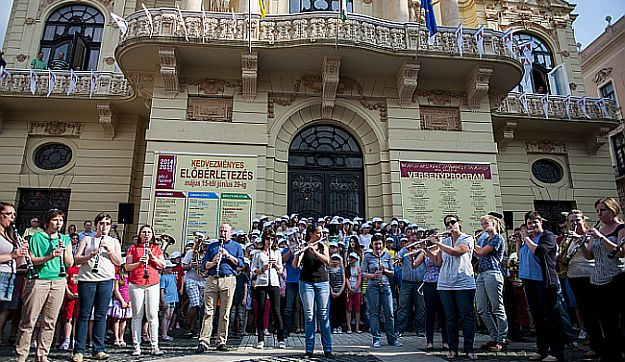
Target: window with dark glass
76, 31
325, 146
302, 6
52, 156
618, 142
547, 171
538, 82
607, 91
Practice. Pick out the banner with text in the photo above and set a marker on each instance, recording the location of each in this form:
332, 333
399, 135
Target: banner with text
431, 190
198, 192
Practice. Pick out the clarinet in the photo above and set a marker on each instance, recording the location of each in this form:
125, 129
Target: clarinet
616, 249
29, 263
579, 245
221, 245
146, 252
62, 271
97, 257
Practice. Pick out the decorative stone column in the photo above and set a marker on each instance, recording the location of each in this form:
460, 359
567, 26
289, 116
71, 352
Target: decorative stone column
450, 13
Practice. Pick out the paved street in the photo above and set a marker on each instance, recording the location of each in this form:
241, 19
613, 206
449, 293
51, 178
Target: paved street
347, 348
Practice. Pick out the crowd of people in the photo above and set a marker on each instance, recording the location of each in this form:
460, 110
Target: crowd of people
329, 275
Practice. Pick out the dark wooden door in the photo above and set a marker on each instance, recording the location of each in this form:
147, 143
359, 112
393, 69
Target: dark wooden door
553, 212
35, 202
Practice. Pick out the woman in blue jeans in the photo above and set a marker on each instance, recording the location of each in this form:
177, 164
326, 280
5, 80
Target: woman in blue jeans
97, 257
456, 284
314, 289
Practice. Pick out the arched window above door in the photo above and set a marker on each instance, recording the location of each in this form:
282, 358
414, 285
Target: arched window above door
76, 31
546, 77
325, 146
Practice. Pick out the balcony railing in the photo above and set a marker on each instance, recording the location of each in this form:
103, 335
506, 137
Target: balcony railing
306, 28
107, 84
513, 106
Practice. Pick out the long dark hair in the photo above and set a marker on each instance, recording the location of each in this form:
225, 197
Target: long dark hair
151, 241
9, 233
274, 240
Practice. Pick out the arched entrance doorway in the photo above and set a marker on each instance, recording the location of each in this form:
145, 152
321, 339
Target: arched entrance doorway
325, 173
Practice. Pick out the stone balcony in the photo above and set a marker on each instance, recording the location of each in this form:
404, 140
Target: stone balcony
109, 85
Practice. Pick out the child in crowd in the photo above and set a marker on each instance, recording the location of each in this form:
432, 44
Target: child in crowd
70, 307
336, 274
238, 311
121, 311
169, 299
354, 293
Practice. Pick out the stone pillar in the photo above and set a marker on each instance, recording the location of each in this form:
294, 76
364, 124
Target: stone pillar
194, 5
449, 13
403, 12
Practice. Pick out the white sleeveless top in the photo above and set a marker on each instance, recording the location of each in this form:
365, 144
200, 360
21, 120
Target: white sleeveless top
106, 268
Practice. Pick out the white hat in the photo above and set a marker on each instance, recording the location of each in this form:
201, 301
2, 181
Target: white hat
169, 264
347, 221
263, 217
174, 255
376, 219
302, 221
383, 225
394, 222
325, 230
357, 219
267, 224
366, 225
294, 215
333, 243
336, 256
390, 239
190, 242
255, 232
334, 222
321, 219
354, 255
255, 220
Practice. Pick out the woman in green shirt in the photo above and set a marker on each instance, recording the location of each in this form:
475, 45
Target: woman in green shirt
44, 296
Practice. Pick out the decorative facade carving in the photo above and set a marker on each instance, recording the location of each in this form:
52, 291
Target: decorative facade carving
21, 57
597, 139
330, 79
144, 86
249, 75
544, 146
505, 134
109, 60
603, 75
108, 4
107, 116
440, 118
213, 86
169, 68
440, 97
477, 84
407, 82
209, 109
66, 129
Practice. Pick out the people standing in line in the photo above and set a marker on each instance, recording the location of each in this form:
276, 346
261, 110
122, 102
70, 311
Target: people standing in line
314, 290
220, 261
267, 266
292, 282
33, 229
411, 301
490, 248
145, 292
456, 284
97, 256
377, 268
87, 225
336, 274
608, 275
43, 296
537, 268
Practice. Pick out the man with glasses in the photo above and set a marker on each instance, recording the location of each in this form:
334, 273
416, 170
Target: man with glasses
33, 229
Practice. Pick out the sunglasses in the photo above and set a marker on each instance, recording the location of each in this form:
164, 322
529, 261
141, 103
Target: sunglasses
451, 222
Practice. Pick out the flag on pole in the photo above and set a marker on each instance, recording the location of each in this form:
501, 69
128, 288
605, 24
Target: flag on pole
601, 103
51, 82
524, 103
430, 19
73, 80
459, 41
343, 9
4, 73
184, 25
33, 81
545, 101
479, 40
203, 23
527, 50
93, 82
567, 106
582, 105
122, 24
263, 8
527, 73
508, 41
149, 16
234, 24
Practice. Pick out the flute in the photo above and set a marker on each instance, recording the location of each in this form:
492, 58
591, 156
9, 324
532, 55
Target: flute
579, 245
29, 263
302, 250
97, 257
146, 252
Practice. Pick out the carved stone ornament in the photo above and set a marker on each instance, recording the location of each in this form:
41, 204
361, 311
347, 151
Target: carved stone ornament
21, 58
66, 129
597, 139
440, 118
330, 78
602, 75
407, 82
440, 97
107, 116
209, 109
109, 60
249, 75
169, 68
108, 4
505, 134
477, 85
545, 146
144, 84
29, 21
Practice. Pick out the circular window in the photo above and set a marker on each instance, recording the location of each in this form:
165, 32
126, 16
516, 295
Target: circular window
53, 156
547, 171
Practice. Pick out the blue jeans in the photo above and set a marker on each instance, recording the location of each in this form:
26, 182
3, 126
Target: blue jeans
409, 296
94, 296
458, 306
381, 296
316, 294
567, 327
489, 302
291, 293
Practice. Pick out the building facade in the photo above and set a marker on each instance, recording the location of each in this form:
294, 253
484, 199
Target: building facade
327, 113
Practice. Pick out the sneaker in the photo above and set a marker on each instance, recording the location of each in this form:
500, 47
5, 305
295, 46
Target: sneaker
136, 352
167, 339
222, 348
309, 355
65, 345
497, 347
377, 344
339, 330
77, 357
266, 332
260, 345
100, 356
398, 343
157, 352
201, 348
550, 359
328, 355
535, 357
582, 335
282, 345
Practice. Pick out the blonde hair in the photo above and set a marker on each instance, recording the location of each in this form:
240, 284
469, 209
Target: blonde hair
611, 204
496, 222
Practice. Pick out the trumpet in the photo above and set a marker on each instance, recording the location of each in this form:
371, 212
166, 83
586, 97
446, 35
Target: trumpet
578, 246
97, 257
29, 263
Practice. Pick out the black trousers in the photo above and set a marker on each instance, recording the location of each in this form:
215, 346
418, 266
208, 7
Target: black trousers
608, 304
434, 312
543, 305
582, 290
260, 294
337, 310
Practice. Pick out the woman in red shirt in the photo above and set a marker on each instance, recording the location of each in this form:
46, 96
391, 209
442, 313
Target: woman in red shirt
142, 262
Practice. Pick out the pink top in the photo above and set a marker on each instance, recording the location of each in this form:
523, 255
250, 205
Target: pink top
123, 288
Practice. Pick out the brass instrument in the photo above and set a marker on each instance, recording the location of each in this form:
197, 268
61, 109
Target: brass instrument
199, 240
578, 246
146, 253
166, 241
97, 257
29, 263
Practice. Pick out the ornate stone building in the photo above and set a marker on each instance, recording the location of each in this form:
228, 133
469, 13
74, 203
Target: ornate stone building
326, 108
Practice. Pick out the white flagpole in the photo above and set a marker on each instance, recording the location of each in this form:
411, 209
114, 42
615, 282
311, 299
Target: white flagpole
249, 35
51, 82
149, 16
459, 41
567, 105
72, 82
184, 25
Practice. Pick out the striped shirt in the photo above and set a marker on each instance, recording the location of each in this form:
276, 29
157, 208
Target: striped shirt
336, 278
605, 268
